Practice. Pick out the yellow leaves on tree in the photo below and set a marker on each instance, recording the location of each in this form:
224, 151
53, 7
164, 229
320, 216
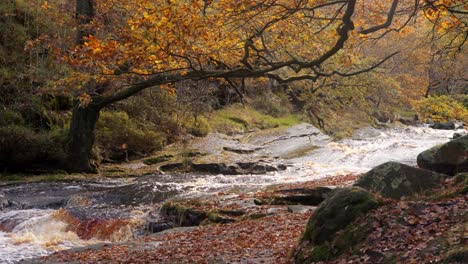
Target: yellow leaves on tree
441, 108
163, 35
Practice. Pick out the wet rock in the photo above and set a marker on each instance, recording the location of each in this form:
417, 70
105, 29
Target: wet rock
449, 158
181, 215
303, 196
262, 168
410, 121
281, 167
459, 134
443, 126
336, 214
4, 203
173, 166
215, 168
395, 180
158, 227
287, 142
37, 195
459, 124
243, 149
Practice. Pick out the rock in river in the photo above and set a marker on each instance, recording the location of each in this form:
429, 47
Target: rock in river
443, 126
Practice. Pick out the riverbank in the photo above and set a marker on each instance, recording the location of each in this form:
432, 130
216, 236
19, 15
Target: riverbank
131, 205
433, 228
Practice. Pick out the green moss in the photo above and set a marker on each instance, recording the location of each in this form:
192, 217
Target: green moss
330, 231
182, 214
461, 178
458, 255
336, 212
320, 253
237, 118
158, 159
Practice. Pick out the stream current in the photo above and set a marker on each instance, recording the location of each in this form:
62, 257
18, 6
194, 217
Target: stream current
33, 232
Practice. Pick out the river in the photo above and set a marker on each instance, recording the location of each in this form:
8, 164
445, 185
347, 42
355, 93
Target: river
32, 232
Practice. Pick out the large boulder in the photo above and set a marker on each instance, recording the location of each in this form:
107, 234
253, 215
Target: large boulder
396, 180
329, 231
444, 126
450, 158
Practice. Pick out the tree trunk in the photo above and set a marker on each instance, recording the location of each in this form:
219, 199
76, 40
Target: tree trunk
81, 139
84, 15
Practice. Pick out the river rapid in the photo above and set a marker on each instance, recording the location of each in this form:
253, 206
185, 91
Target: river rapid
42, 228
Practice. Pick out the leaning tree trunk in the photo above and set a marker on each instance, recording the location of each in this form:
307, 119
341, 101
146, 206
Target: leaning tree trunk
81, 139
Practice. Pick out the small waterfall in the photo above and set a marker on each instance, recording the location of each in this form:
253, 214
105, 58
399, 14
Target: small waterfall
31, 233
36, 232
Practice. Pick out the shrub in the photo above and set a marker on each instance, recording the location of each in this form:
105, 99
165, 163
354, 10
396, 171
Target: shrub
441, 108
8, 118
114, 129
275, 105
198, 127
22, 149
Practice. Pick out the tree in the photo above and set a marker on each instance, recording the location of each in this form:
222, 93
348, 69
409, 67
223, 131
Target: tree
142, 44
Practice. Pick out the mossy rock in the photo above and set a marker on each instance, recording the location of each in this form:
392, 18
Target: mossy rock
461, 179
459, 255
330, 231
450, 158
158, 159
182, 215
214, 217
303, 196
395, 180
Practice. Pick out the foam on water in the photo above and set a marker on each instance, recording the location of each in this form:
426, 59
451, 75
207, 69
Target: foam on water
35, 233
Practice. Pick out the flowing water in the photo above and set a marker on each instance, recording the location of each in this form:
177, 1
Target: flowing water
35, 232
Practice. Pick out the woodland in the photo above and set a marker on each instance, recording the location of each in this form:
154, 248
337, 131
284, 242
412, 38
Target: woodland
99, 89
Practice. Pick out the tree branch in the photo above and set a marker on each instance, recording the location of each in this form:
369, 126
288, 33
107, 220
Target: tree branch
390, 15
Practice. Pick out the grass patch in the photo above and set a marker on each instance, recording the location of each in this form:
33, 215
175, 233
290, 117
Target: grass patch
409, 114
236, 118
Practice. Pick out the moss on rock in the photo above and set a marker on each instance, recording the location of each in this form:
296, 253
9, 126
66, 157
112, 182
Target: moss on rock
396, 180
182, 215
330, 231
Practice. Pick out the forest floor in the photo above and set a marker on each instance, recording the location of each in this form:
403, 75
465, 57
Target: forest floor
427, 230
